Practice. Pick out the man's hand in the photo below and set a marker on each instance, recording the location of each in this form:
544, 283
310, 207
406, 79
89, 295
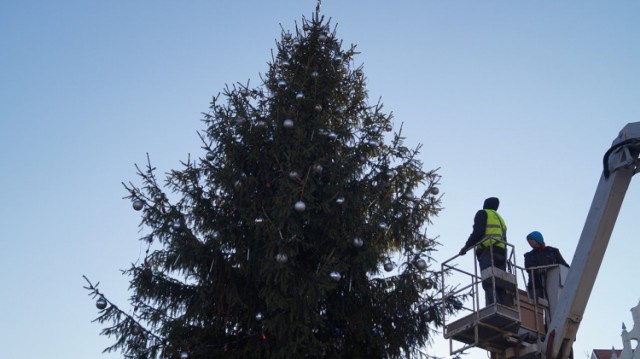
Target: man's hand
463, 251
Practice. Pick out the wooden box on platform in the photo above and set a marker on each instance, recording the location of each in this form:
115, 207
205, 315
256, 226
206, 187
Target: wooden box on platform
531, 317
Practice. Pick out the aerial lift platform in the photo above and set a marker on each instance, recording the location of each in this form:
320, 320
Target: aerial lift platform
507, 331
530, 327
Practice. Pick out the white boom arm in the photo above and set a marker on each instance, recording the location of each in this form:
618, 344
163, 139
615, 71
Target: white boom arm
620, 164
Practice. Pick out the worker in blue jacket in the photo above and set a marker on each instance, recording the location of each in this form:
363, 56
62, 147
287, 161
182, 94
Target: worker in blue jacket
540, 255
488, 237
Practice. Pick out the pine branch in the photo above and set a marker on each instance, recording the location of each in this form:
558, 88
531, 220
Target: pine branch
111, 312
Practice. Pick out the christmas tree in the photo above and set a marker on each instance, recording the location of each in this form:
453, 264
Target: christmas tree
300, 232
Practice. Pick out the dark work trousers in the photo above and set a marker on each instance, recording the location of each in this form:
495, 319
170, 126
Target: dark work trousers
499, 261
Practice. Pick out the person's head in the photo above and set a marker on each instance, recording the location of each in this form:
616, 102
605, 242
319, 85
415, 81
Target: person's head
491, 203
535, 239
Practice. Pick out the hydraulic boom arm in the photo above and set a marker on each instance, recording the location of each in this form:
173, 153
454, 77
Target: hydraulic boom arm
620, 164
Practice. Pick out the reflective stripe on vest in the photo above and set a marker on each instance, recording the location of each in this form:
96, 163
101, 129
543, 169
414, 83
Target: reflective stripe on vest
494, 232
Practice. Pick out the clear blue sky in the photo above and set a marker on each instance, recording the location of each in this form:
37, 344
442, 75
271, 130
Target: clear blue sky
515, 99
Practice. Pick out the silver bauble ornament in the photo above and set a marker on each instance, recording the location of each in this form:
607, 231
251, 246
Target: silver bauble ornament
287, 36
332, 135
338, 59
259, 219
159, 197
282, 258
456, 304
318, 108
210, 156
382, 225
359, 73
421, 264
259, 316
429, 316
285, 63
428, 283
434, 190
184, 355
135, 329
305, 27
299, 96
322, 37
408, 196
101, 303
244, 92
315, 74
340, 200
358, 242
317, 168
176, 225
294, 175
137, 204
288, 123
388, 266
300, 206
282, 83
388, 128
335, 276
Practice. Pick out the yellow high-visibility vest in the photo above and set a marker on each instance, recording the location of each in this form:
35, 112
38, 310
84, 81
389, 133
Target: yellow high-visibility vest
494, 232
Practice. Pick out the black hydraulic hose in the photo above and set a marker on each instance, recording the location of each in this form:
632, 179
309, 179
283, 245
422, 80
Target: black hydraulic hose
605, 160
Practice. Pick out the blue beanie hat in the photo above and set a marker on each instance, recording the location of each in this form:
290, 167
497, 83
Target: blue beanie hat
536, 236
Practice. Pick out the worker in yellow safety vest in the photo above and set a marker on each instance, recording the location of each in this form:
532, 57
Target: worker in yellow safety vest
488, 237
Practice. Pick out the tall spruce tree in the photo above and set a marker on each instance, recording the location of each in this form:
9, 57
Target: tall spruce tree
300, 233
